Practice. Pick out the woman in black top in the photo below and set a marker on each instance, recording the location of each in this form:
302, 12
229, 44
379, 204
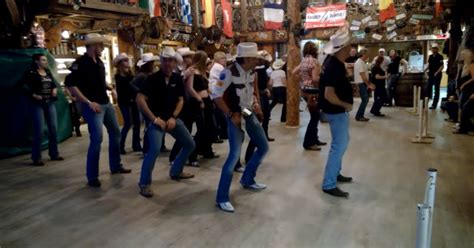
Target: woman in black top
380, 94
198, 108
126, 101
39, 84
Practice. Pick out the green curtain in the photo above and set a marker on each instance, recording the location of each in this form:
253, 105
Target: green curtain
16, 127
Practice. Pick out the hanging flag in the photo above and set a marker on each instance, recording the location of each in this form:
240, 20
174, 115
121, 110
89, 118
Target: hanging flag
186, 15
209, 15
153, 7
438, 8
333, 15
273, 15
387, 10
227, 16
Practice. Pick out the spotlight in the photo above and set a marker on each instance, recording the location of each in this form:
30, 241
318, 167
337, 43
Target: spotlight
65, 34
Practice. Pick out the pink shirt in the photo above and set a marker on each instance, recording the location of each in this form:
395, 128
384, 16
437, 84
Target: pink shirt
306, 71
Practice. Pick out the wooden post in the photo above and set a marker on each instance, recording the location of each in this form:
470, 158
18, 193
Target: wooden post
243, 12
294, 58
196, 15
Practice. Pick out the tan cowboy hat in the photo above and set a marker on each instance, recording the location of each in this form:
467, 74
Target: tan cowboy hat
94, 38
278, 64
247, 50
337, 41
185, 51
119, 58
265, 55
169, 52
147, 57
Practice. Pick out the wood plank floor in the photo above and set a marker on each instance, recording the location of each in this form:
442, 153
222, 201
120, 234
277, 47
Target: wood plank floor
52, 207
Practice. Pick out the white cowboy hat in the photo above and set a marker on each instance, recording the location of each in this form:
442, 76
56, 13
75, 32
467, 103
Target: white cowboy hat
94, 38
147, 57
382, 50
337, 41
169, 52
229, 57
185, 51
435, 45
278, 64
247, 50
265, 55
119, 58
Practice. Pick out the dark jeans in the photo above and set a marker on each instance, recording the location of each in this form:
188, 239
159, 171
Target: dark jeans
279, 96
467, 113
364, 97
433, 81
380, 95
131, 117
221, 123
75, 108
391, 84
311, 136
44, 111
265, 105
95, 123
193, 113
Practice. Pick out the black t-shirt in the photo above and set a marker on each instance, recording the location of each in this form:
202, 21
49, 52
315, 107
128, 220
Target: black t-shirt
394, 66
435, 61
377, 70
262, 78
162, 96
89, 77
39, 85
334, 75
200, 83
125, 93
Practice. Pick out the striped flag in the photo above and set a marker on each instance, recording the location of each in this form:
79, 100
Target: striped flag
153, 7
273, 15
186, 15
387, 10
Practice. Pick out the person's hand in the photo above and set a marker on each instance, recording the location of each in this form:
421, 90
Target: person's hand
54, 92
236, 119
114, 94
160, 123
371, 86
95, 107
201, 105
348, 107
462, 87
170, 124
258, 111
267, 92
37, 97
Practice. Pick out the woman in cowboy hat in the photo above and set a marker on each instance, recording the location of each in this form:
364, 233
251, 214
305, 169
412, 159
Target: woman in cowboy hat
278, 84
126, 102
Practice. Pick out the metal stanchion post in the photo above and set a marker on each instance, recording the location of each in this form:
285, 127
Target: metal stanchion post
422, 225
415, 101
426, 134
430, 200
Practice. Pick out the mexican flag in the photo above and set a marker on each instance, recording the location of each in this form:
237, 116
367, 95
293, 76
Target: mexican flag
153, 7
387, 10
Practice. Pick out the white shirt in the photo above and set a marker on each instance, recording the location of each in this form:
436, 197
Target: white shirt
384, 65
277, 77
215, 73
360, 66
244, 89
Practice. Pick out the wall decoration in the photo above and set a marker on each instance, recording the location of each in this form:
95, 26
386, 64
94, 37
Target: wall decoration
373, 23
391, 35
377, 36
273, 15
333, 15
356, 23
387, 10
367, 19
400, 16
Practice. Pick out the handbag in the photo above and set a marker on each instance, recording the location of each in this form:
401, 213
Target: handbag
311, 95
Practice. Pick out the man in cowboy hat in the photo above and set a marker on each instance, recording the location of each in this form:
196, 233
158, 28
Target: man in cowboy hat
435, 71
236, 94
187, 58
336, 103
161, 100
88, 85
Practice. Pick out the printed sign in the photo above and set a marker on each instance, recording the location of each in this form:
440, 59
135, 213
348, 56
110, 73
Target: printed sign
414, 21
391, 35
422, 17
400, 16
367, 19
333, 15
390, 22
373, 23
391, 28
359, 34
377, 36
356, 23
354, 28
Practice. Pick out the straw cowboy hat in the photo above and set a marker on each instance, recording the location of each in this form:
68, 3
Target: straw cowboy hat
248, 50
94, 38
278, 64
185, 51
147, 57
265, 55
337, 41
119, 58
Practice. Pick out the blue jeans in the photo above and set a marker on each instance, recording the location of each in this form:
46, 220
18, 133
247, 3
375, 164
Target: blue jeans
46, 111
108, 118
236, 137
339, 124
131, 117
391, 84
433, 81
364, 96
155, 139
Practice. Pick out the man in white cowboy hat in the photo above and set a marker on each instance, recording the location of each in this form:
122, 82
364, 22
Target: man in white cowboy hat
161, 100
237, 96
278, 84
187, 57
435, 73
336, 103
88, 85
